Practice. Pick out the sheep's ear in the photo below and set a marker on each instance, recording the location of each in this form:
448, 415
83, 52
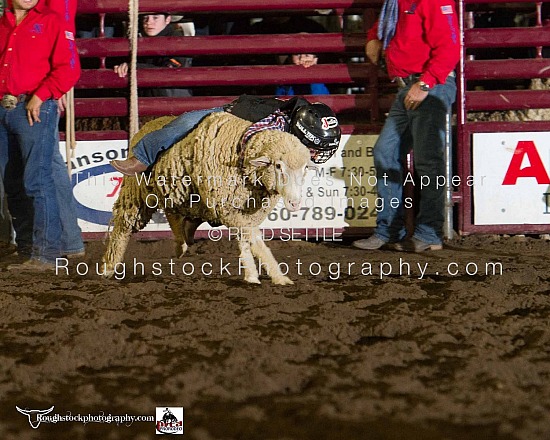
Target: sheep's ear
259, 162
312, 166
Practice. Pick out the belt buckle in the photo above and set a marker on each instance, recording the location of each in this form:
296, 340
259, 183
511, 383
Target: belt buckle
9, 102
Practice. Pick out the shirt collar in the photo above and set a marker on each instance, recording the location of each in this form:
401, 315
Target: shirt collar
40, 6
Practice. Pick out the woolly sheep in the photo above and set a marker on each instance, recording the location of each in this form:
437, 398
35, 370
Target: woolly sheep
189, 174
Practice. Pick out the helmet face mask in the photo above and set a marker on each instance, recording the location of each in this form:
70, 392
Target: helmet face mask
317, 128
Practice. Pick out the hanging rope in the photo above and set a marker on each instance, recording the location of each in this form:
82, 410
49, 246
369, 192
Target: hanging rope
133, 15
70, 130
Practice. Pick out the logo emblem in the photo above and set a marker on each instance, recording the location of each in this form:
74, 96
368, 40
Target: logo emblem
169, 420
33, 415
329, 122
38, 28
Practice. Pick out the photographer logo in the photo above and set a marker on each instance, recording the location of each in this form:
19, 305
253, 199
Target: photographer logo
169, 420
34, 415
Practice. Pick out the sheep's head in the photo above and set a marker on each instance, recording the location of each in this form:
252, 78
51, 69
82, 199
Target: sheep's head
283, 168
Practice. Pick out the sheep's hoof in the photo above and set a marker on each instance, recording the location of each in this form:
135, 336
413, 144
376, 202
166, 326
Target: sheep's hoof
282, 281
181, 250
108, 274
252, 280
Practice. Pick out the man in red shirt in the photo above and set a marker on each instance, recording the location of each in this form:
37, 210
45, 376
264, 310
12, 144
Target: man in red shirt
420, 42
29, 142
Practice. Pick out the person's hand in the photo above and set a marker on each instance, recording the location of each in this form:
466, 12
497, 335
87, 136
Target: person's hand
121, 70
304, 59
33, 109
62, 104
373, 49
414, 97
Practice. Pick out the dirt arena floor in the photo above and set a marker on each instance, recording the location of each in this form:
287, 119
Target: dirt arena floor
437, 353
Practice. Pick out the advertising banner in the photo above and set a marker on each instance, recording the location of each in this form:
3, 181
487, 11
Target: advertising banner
511, 178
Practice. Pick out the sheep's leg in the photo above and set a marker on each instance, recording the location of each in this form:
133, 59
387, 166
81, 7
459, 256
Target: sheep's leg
264, 255
184, 231
176, 222
190, 226
118, 241
126, 221
251, 274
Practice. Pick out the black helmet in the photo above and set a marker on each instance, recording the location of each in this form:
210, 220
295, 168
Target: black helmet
317, 128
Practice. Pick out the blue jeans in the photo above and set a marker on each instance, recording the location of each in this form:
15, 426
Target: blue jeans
151, 145
423, 131
26, 158
21, 208
71, 235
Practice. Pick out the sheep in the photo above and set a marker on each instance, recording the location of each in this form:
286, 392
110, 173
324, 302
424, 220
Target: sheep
207, 178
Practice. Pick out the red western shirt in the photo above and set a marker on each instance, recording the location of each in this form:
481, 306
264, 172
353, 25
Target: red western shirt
66, 9
426, 40
37, 57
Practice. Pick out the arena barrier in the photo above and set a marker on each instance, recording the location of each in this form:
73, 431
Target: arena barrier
342, 195
374, 99
491, 206
503, 142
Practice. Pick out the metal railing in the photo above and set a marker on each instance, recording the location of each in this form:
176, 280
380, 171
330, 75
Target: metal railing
372, 92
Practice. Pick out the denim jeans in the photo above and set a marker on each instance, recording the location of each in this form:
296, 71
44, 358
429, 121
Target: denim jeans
71, 235
148, 148
26, 158
423, 131
20, 205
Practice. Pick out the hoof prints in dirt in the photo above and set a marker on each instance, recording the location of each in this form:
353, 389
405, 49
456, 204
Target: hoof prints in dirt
399, 357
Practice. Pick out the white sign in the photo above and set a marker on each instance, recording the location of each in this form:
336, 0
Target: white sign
340, 194
512, 183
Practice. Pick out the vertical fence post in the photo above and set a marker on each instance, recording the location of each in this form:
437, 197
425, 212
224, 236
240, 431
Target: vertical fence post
102, 35
448, 232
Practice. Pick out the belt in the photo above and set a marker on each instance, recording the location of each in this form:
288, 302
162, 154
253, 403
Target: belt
411, 79
10, 101
408, 80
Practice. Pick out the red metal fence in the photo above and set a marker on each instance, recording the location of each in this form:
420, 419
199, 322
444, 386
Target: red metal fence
372, 93
484, 60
